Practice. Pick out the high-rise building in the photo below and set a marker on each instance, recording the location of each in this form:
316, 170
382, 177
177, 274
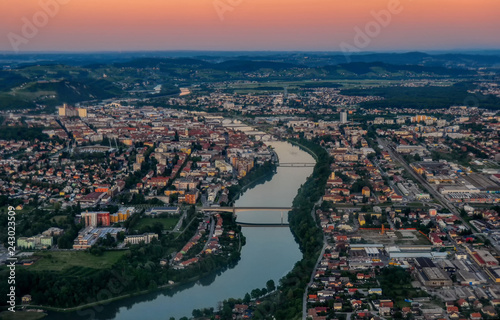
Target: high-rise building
66, 111
422, 118
82, 112
94, 219
139, 158
343, 117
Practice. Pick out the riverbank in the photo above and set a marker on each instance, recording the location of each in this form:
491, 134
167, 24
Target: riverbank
128, 295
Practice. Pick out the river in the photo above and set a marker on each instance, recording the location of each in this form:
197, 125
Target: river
269, 253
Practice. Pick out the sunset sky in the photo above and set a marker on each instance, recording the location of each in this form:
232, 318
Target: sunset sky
102, 25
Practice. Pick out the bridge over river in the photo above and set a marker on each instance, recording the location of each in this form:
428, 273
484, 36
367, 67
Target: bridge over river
234, 210
296, 164
261, 225
239, 209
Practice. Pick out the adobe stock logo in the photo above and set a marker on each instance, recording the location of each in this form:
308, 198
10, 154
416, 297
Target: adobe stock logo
223, 6
372, 29
30, 28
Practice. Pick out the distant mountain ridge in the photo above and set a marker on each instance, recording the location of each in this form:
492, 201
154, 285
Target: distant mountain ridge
469, 59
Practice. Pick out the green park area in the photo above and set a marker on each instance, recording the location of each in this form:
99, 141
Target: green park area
64, 260
167, 222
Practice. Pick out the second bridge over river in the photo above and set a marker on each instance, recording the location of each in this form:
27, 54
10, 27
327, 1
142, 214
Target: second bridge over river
235, 210
296, 164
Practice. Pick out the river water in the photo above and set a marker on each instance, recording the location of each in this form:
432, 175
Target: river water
269, 253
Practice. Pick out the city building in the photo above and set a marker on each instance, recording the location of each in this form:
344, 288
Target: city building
136, 239
365, 192
82, 112
36, 242
162, 210
122, 215
90, 235
94, 219
343, 117
66, 111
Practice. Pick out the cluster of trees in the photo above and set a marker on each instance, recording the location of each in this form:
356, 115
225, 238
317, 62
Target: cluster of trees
22, 133
425, 97
5, 201
396, 282
226, 309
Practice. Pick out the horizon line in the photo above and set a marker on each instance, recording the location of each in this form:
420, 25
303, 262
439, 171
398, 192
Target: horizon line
395, 51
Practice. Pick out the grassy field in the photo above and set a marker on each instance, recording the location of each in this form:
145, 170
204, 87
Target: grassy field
59, 219
168, 222
419, 239
20, 315
65, 260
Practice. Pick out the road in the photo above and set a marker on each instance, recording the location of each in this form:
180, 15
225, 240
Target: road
304, 300
211, 234
179, 223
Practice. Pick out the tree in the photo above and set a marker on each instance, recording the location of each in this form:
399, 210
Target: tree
247, 298
256, 293
197, 313
270, 285
120, 236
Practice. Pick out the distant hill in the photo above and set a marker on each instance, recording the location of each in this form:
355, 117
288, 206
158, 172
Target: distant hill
364, 68
71, 91
43, 79
207, 70
162, 63
57, 93
10, 79
425, 97
252, 66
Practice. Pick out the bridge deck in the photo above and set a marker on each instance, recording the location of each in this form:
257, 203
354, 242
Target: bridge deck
236, 209
263, 225
296, 164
